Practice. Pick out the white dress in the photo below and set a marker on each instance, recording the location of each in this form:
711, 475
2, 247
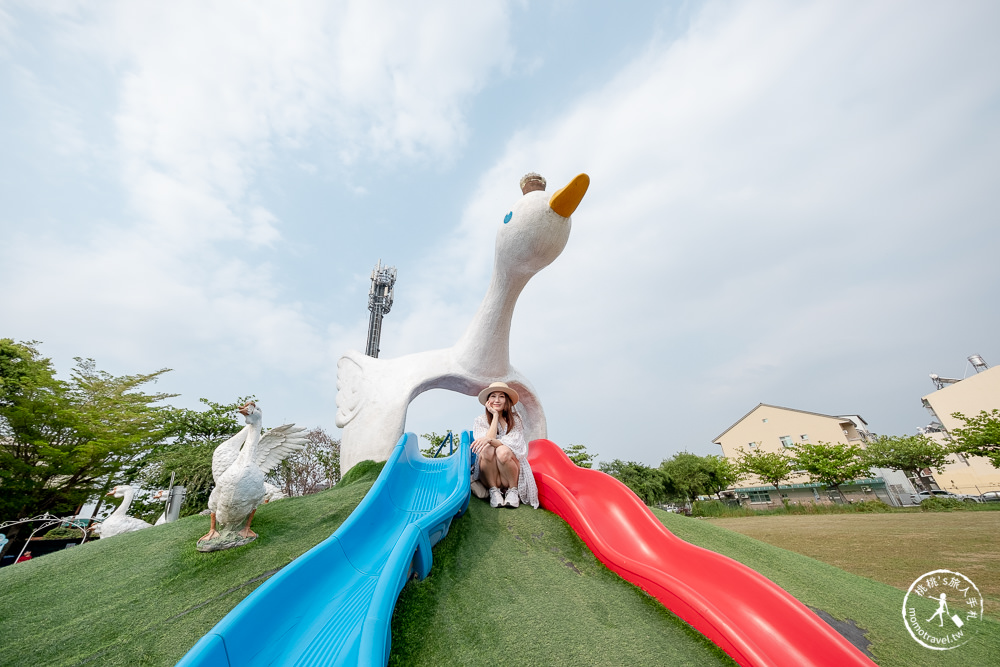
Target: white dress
527, 491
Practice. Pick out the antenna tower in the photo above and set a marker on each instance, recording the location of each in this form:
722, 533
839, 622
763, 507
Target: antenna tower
379, 303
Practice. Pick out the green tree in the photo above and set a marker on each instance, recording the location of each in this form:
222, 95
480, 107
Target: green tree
579, 455
907, 453
62, 442
646, 482
980, 436
688, 475
832, 464
192, 436
311, 469
722, 473
771, 467
436, 441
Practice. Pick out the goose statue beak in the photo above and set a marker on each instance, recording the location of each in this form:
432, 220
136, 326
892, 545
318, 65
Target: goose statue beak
565, 201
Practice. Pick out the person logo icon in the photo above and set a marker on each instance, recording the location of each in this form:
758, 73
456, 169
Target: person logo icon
929, 594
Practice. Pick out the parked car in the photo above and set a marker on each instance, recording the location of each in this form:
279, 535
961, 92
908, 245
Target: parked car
990, 497
915, 498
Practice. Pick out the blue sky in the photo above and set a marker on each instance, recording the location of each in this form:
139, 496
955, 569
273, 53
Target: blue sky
791, 203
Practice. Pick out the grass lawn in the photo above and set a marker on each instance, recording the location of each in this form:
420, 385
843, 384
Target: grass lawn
873, 605
508, 587
892, 548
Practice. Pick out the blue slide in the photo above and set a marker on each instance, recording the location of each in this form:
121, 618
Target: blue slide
333, 605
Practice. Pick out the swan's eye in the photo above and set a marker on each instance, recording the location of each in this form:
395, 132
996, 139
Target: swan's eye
507, 217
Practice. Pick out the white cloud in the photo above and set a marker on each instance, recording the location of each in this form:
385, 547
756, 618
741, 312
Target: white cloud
769, 195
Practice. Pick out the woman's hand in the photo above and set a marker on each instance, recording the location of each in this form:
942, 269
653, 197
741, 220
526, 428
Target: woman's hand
479, 445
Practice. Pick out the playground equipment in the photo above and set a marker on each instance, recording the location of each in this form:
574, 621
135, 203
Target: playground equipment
743, 612
374, 394
333, 605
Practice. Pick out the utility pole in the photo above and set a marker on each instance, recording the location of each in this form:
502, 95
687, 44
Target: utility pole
379, 303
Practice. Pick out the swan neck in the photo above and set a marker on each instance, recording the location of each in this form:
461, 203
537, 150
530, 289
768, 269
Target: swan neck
484, 348
122, 510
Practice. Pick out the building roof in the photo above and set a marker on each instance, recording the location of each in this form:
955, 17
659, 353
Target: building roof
779, 407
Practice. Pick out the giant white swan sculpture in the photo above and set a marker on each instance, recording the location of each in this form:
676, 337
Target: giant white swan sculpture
373, 394
240, 487
120, 522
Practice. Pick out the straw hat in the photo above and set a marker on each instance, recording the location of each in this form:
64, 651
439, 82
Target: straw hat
498, 386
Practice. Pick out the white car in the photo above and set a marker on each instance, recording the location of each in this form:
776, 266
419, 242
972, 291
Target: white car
915, 498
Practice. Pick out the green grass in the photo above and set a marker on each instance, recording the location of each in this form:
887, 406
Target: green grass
508, 587
145, 598
518, 587
895, 548
875, 606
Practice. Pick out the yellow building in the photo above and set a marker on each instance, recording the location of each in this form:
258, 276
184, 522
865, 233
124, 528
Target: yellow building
971, 475
773, 428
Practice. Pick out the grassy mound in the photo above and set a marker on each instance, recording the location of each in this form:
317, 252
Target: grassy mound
145, 598
508, 587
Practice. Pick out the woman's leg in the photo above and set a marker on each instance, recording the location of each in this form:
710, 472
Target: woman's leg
508, 466
488, 471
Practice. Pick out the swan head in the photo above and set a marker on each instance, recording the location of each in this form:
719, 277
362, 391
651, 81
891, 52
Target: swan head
252, 413
536, 230
119, 491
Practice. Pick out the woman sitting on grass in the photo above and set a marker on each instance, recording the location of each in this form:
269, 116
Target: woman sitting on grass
502, 461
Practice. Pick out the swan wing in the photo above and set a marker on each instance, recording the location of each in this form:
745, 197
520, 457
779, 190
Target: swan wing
279, 443
226, 453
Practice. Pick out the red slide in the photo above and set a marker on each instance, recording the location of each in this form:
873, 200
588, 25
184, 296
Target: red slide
746, 614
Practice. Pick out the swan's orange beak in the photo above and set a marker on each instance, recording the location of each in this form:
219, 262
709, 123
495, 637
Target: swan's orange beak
565, 201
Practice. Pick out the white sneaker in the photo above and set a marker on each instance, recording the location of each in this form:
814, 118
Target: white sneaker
511, 499
495, 498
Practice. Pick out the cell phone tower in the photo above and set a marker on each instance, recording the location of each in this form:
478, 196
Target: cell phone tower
379, 303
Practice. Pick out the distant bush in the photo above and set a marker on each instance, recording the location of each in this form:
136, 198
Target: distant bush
63, 533
717, 508
868, 507
939, 504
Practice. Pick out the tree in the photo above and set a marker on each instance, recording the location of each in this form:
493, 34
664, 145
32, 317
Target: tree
832, 463
688, 475
907, 453
579, 455
771, 467
63, 441
980, 436
647, 483
311, 469
722, 473
436, 441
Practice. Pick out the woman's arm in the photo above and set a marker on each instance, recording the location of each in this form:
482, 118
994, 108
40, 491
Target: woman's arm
485, 437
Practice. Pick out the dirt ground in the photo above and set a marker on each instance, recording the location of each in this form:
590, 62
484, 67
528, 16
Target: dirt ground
891, 548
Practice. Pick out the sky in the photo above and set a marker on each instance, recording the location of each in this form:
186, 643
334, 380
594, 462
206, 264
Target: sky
791, 203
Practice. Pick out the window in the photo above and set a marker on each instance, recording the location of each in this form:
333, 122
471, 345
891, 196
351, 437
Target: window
764, 420
804, 436
786, 441
760, 497
752, 445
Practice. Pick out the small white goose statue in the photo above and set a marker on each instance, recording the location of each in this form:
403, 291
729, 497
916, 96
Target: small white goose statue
373, 394
120, 522
239, 480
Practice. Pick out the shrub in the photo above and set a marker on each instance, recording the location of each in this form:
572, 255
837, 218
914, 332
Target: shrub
938, 504
63, 533
869, 507
717, 508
